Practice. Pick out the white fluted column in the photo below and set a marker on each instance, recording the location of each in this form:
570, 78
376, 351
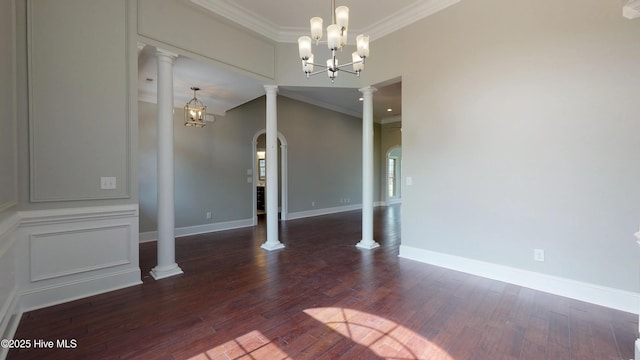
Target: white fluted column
272, 242
166, 193
367, 241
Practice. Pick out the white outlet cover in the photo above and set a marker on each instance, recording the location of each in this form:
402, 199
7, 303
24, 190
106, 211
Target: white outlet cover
107, 183
409, 181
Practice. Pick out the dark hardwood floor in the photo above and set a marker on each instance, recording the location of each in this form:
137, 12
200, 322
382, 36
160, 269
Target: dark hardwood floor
323, 298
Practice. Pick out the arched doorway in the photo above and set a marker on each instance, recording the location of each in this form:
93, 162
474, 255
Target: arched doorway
258, 179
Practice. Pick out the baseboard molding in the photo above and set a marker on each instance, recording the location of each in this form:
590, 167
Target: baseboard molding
329, 211
11, 315
60, 293
199, 229
9, 305
591, 293
324, 211
10, 323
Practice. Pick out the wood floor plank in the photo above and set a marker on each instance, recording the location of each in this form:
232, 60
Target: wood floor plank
323, 298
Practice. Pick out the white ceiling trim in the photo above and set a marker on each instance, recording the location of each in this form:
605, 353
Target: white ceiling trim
242, 16
407, 16
401, 18
391, 119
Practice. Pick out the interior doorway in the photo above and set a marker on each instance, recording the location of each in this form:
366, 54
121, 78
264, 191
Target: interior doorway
259, 171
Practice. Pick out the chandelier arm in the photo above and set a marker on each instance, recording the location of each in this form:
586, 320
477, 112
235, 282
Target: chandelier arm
349, 71
351, 63
320, 65
317, 72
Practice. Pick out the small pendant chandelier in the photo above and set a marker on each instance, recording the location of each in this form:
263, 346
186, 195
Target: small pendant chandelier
336, 40
195, 111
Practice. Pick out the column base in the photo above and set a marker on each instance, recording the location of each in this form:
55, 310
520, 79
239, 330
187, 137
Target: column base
166, 271
368, 244
272, 246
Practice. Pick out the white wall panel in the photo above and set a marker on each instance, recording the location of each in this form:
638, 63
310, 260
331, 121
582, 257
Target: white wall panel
60, 253
74, 253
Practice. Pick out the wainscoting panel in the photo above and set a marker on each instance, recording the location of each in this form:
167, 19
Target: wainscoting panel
74, 253
81, 250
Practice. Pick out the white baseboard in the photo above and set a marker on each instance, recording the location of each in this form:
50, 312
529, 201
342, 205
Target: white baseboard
69, 291
591, 293
10, 322
324, 211
328, 211
9, 306
199, 229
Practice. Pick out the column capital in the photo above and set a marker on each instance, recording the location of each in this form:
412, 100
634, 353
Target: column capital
162, 53
368, 90
271, 88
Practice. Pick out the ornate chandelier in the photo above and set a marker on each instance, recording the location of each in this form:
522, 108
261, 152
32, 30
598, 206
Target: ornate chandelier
336, 40
195, 111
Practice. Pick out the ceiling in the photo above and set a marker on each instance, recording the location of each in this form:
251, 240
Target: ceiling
223, 89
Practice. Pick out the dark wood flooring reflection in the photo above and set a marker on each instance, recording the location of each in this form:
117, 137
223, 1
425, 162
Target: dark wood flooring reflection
323, 298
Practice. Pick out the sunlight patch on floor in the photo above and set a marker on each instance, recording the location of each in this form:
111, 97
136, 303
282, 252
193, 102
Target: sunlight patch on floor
252, 345
386, 338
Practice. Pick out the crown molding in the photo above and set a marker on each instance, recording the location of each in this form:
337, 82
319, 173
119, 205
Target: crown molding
407, 16
631, 10
242, 16
391, 119
255, 22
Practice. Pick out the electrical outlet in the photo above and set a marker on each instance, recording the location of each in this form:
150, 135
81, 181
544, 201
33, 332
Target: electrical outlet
538, 255
107, 183
209, 215
313, 203
409, 180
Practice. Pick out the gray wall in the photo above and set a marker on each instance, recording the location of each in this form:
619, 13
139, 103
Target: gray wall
324, 161
8, 151
76, 121
521, 128
8, 163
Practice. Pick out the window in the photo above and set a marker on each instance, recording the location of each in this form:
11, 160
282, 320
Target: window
262, 170
391, 177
